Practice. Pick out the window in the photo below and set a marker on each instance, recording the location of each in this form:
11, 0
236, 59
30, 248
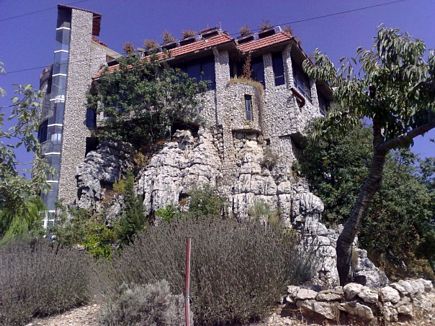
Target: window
202, 70
323, 103
60, 63
91, 118
42, 131
278, 68
248, 108
301, 80
58, 109
257, 67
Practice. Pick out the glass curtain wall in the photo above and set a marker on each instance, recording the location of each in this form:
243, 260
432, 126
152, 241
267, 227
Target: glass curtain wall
51, 128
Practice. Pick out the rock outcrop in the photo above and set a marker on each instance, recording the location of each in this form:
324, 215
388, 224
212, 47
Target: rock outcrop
254, 176
101, 168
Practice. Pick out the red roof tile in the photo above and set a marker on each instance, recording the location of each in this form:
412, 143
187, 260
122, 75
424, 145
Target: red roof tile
184, 49
264, 42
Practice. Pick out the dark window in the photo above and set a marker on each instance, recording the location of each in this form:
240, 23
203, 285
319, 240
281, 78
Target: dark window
248, 108
202, 70
60, 63
64, 17
301, 80
257, 67
278, 68
91, 144
62, 39
58, 109
323, 103
91, 118
42, 131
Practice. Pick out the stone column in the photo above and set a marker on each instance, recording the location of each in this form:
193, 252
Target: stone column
78, 82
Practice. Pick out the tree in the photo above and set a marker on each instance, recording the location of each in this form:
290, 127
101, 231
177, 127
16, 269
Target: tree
20, 204
133, 217
395, 90
336, 164
143, 99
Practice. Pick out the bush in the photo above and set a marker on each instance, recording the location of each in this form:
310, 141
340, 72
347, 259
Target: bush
152, 304
205, 202
239, 271
37, 279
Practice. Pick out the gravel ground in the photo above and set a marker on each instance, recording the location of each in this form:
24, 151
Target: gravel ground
88, 316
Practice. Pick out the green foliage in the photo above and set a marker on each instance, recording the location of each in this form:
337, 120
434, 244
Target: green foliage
397, 227
25, 222
168, 213
37, 279
393, 87
205, 202
83, 228
143, 99
150, 304
19, 203
238, 270
133, 217
262, 212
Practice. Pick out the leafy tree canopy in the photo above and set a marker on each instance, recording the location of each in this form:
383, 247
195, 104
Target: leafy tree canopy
143, 99
398, 229
393, 86
20, 205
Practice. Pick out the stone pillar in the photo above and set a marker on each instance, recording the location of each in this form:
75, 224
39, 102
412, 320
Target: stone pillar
78, 82
288, 68
269, 77
314, 97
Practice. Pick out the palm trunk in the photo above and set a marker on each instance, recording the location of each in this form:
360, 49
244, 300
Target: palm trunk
345, 240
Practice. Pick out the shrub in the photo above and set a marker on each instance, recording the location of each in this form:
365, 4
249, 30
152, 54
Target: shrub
151, 304
188, 33
168, 213
37, 279
269, 159
150, 45
133, 217
128, 48
238, 271
168, 38
265, 25
205, 202
262, 213
245, 31
84, 228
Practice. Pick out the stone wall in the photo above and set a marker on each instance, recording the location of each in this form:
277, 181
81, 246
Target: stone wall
400, 301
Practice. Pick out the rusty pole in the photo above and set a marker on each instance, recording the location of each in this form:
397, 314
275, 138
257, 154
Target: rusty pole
187, 284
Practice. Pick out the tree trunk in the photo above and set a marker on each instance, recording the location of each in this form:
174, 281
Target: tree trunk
351, 227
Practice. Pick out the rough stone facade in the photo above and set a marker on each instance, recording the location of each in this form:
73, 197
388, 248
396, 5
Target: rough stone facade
85, 58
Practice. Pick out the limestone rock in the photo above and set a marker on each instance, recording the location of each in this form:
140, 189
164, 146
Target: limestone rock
351, 290
356, 309
103, 166
368, 295
389, 294
325, 309
330, 295
305, 294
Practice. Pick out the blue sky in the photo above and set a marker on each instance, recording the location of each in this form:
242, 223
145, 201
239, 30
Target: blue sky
28, 41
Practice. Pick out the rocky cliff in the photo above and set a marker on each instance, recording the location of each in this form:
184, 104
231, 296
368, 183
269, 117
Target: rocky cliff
188, 162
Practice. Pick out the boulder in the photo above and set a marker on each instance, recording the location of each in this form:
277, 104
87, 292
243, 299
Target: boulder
325, 309
330, 295
354, 308
351, 290
389, 294
305, 294
368, 295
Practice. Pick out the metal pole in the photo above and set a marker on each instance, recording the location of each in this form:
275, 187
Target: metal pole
187, 284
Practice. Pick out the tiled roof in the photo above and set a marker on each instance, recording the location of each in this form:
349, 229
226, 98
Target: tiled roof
264, 42
222, 38
200, 45
184, 49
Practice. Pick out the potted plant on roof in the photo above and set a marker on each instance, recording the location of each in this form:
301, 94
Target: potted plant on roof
189, 36
266, 29
246, 35
151, 46
169, 41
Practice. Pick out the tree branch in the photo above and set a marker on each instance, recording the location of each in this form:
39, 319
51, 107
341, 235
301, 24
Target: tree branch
405, 139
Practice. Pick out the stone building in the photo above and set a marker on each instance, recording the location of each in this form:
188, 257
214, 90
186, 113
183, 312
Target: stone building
272, 108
